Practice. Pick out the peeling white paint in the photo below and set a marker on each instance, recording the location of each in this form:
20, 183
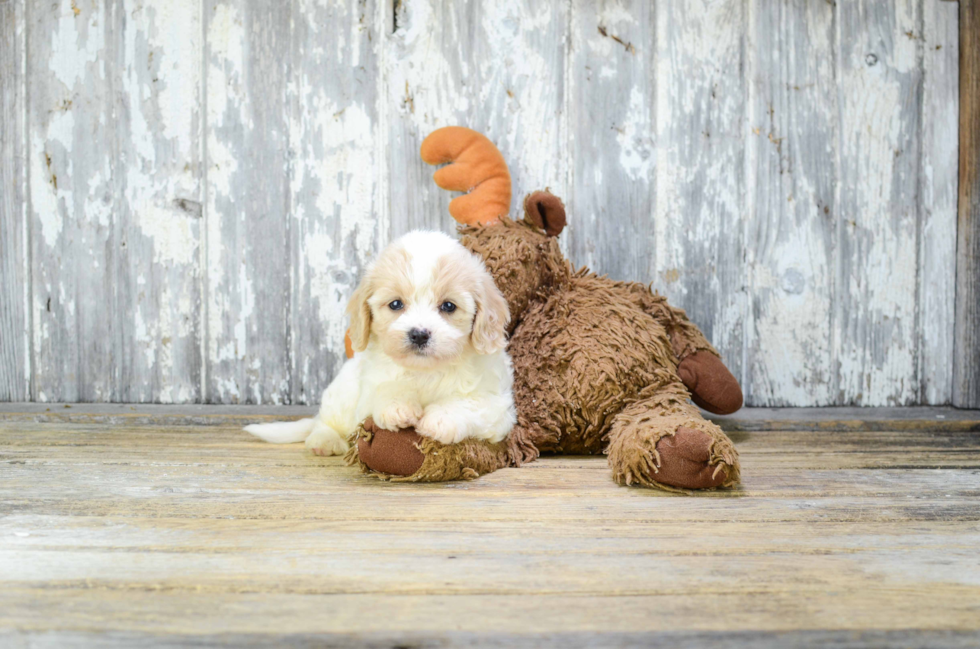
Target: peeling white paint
76, 44
45, 197
637, 156
177, 57
143, 337
226, 38
246, 310
331, 284
225, 327
175, 241
876, 303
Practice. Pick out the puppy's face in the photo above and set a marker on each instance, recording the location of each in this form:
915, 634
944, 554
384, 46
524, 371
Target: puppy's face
425, 300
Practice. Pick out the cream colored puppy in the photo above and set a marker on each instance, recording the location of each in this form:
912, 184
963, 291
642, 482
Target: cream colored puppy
427, 323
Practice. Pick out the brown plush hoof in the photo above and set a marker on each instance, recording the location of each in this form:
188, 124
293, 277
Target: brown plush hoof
394, 452
684, 461
712, 386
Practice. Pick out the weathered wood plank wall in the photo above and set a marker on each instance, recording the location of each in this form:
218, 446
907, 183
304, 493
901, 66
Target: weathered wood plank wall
937, 200
966, 366
791, 178
191, 188
247, 153
114, 167
15, 356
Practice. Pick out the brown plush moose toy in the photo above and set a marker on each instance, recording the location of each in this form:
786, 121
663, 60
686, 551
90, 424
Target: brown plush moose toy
600, 366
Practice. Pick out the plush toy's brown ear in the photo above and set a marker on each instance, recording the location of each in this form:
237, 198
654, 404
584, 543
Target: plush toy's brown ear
477, 168
545, 210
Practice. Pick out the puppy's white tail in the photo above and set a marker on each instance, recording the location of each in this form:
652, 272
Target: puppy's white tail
282, 432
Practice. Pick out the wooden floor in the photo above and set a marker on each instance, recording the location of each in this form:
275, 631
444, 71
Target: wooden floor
120, 533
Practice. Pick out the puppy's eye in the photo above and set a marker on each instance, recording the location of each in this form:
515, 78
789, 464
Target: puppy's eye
396, 305
447, 307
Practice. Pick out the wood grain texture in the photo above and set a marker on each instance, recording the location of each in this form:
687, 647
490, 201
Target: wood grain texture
157, 217
497, 67
249, 265
791, 211
115, 198
164, 533
336, 223
880, 94
611, 142
73, 192
15, 354
924, 639
966, 368
699, 258
936, 298
292, 88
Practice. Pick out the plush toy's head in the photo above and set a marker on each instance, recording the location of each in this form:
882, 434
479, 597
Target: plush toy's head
522, 257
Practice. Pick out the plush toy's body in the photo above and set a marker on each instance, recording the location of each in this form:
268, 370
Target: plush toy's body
599, 367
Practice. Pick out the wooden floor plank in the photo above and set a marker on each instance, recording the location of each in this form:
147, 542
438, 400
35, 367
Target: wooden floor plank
939, 608
789, 639
122, 534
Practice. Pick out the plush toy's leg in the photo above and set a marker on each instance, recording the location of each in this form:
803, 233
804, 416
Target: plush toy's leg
711, 384
700, 367
406, 456
662, 441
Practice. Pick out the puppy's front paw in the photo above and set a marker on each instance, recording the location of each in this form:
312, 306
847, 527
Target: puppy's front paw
398, 414
439, 426
326, 441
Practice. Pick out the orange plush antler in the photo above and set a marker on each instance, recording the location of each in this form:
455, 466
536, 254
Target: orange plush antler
477, 168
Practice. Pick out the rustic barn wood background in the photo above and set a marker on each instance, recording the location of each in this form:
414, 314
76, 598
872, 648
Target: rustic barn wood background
190, 188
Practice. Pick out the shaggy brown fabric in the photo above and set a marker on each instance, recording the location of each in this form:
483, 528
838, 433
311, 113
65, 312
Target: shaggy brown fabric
526, 265
639, 453
712, 386
595, 369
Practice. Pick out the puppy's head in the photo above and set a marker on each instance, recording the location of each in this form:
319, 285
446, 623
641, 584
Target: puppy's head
426, 299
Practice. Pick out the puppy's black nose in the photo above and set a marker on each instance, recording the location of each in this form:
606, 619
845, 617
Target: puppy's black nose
419, 337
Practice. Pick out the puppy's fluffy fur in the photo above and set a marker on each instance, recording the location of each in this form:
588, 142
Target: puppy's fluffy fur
427, 326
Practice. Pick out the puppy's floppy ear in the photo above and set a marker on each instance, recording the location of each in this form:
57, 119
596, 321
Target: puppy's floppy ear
492, 315
360, 313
